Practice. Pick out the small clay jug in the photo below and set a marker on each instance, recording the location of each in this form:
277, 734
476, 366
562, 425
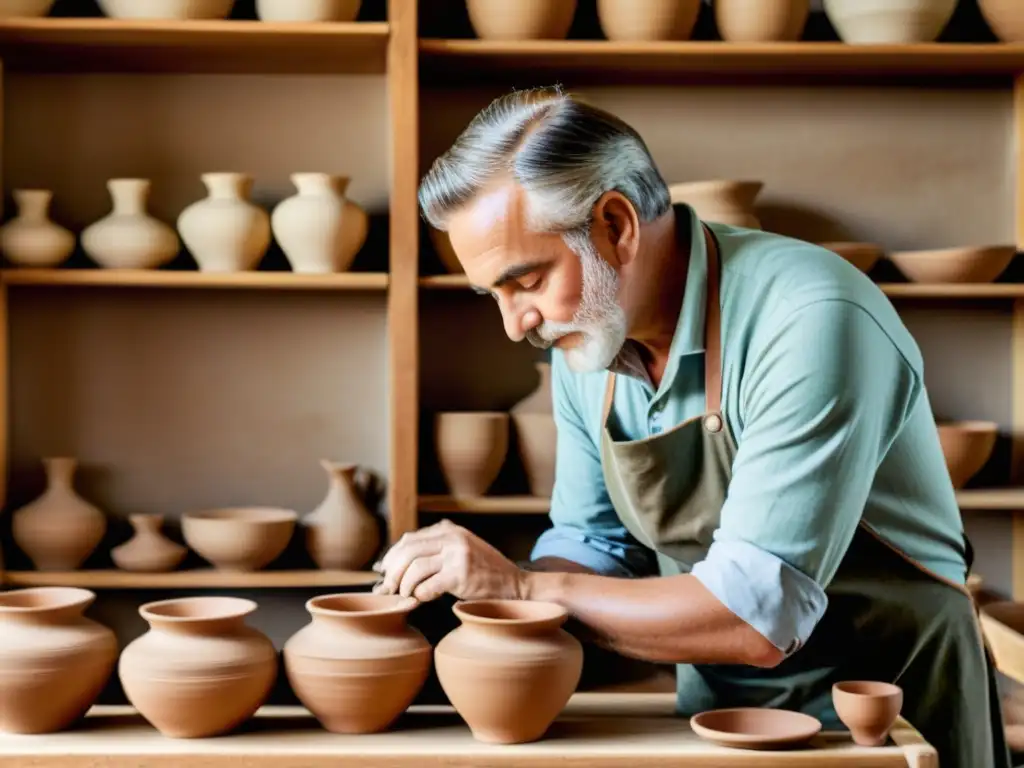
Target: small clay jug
129, 237
357, 665
200, 670
225, 231
341, 533
868, 708
60, 529
54, 662
148, 550
510, 668
32, 239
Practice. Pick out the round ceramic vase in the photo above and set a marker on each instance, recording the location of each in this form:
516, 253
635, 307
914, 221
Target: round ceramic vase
761, 21
889, 21
522, 19
31, 238
148, 550
225, 231
642, 20
307, 10
128, 237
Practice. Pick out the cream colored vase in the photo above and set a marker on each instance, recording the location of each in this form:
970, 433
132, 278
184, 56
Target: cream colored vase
225, 231
128, 237
307, 10
341, 533
318, 228
761, 21
148, 550
536, 437
522, 19
471, 449
641, 20
60, 529
31, 239
889, 21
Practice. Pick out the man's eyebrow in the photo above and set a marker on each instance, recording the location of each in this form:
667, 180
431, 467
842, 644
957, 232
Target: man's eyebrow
516, 271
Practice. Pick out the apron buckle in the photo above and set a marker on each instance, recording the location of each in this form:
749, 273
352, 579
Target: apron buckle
713, 423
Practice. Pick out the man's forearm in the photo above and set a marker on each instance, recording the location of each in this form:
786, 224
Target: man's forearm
555, 565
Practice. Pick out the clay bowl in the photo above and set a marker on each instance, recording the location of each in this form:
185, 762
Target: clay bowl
868, 709
239, 538
980, 264
471, 449
863, 256
1005, 17
166, 9
720, 200
755, 728
967, 445
521, 20
23, 9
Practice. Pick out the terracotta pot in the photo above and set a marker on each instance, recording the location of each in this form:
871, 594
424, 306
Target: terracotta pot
536, 436
720, 201
539, 400
521, 20
445, 253
761, 21
128, 237
967, 446
166, 9
32, 239
200, 670
863, 256
471, 449
341, 532
868, 708
148, 550
1005, 17
358, 665
60, 529
54, 662
239, 538
225, 231
24, 9
647, 19
955, 265
307, 10
510, 668
889, 21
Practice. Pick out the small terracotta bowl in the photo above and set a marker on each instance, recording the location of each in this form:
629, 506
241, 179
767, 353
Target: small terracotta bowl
863, 256
239, 538
981, 264
967, 446
868, 708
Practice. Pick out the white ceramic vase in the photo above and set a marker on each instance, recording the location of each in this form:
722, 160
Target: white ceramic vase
128, 237
31, 239
318, 228
308, 10
166, 9
889, 21
225, 231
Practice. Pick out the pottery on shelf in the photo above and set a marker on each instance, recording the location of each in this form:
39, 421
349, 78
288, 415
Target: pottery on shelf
148, 550
239, 539
307, 10
720, 201
31, 238
166, 9
521, 20
54, 662
319, 229
534, 425
471, 449
1005, 17
128, 237
761, 21
755, 727
868, 709
889, 21
445, 252
59, 529
641, 20
25, 9
863, 256
341, 533
225, 231
966, 446
981, 264
357, 665
509, 668
199, 670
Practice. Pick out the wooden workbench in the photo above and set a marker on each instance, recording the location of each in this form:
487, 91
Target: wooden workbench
635, 730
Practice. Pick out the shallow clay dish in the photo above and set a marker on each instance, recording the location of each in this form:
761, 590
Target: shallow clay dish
239, 538
863, 256
868, 709
967, 446
755, 728
981, 264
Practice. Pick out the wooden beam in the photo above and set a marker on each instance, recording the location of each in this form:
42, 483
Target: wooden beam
1017, 352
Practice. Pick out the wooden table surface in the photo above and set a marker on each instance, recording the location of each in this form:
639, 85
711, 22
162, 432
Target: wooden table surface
631, 730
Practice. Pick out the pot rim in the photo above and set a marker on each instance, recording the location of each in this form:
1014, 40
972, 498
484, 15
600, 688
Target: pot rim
235, 608
62, 598
390, 604
969, 425
544, 612
867, 689
254, 515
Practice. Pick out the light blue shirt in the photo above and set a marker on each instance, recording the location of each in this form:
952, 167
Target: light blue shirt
823, 389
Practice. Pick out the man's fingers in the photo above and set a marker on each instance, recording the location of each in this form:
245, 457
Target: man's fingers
430, 533
419, 570
400, 558
433, 588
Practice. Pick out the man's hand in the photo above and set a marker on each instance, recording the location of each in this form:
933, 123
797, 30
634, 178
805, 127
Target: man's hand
446, 558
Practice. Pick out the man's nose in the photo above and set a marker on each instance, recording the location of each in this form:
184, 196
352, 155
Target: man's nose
519, 322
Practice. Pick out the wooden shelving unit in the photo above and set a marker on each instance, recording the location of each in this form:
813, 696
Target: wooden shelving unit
166, 278
200, 578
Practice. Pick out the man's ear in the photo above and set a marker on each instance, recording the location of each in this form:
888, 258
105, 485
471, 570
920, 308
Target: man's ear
618, 226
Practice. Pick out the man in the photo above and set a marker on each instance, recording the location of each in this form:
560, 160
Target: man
741, 419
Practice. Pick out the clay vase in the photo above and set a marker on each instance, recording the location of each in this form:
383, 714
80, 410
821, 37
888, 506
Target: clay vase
641, 20
510, 668
128, 237
521, 20
319, 230
720, 201
357, 665
60, 529
200, 670
761, 21
341, 533
967, 447
868, 708
224, 231
1005, 17
148, 551
54, 662
32, 239
889, 21
307, 10
471, 449
536, 436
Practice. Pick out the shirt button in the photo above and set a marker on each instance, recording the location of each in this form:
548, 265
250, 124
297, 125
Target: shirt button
713, 423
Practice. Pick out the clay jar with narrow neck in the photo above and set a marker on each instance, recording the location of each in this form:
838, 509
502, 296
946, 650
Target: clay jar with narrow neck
510, 668
341, 533
200, 670
32, 239
54, 662
225, 231
357, 665
128, 237
148, 550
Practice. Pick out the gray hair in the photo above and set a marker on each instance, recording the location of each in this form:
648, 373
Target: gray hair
563, 152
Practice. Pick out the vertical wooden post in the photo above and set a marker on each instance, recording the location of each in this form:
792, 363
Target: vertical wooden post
1017, 340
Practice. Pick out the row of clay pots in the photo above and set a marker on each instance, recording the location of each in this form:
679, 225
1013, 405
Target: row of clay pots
318, 228
60, 529
201, 671
179, 10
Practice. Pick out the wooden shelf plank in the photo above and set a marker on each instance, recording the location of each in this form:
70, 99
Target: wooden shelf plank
457, 282
200, 578
486, 505
991, 499
182, 278
197, 46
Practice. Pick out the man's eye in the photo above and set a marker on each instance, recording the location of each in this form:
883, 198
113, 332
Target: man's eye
529, 282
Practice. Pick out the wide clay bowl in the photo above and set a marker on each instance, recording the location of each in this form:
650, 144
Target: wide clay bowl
863, 256
755, 728
868, 709
967, 445
239, 538
981, 264
522, 19
166, 9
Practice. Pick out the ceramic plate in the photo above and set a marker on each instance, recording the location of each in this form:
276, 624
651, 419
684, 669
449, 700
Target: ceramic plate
755, 728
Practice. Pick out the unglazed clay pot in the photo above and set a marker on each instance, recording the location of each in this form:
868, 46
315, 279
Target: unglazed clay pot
967, 446
981, 264
721, 201
307, 10
224, 231
889, 21
510, 668
319, 229
536, 436
445, 252
341, 533
25, 9
128, 237
1005, 17
863, 256
148, 550
761, 21
358, 665
647, 19
60, 529
239, 539
471, 449
32, 239
868, 708
54, 661
521, 20
166, 9
200, 670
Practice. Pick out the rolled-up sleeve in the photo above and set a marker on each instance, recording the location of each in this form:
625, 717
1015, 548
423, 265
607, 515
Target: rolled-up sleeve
825, 393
